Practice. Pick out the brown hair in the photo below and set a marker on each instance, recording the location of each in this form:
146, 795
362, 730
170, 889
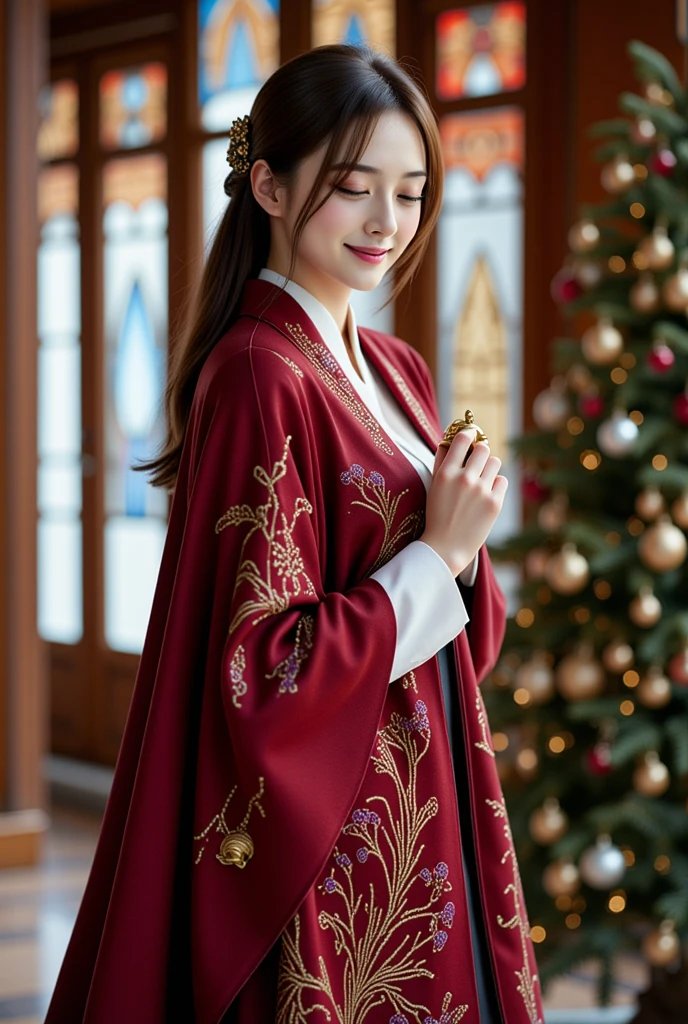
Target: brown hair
353, 86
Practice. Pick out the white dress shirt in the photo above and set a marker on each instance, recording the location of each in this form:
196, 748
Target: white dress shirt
428, 605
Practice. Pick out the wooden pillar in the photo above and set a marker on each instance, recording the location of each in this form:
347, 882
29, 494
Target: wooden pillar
22, 664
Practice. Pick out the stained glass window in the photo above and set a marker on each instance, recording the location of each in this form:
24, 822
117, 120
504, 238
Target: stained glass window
135, 331
60, 591
355, 21
238, 50
58, 133
480, 51
480, 287
133, 106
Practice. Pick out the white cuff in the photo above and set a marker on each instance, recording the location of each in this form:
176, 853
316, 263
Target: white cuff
468, 575
427, 603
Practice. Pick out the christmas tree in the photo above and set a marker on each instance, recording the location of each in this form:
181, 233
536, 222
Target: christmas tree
589, 702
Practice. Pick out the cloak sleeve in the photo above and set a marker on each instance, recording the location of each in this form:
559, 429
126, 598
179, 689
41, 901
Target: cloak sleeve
486, 606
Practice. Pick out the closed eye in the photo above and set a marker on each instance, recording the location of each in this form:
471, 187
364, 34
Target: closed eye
351, 192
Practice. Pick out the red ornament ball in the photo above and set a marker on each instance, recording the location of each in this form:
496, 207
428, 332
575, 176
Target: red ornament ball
591, 406
681, 408
534, 490
660, 358
565, 287
663, 162
678, 668
599, 759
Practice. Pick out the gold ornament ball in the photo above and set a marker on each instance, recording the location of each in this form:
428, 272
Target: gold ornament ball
584, 236
617, 176
567, 571
561, 878
618, 656
661, 947
536, 563
552, 515
548, 823
578, 378
675, 291
679, 511
654, 689
644, 295
579, 675
537, 678
658, 249
662, 546
526, 763
649, 504
602, 344
651, 778
645, 609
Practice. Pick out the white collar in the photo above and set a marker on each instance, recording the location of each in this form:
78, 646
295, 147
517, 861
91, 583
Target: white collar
327, 328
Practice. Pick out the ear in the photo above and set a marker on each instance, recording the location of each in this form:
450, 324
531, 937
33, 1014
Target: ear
266, 190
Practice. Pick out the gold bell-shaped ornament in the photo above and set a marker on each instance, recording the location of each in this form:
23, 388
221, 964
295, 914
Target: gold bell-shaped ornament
456, 426
236, 849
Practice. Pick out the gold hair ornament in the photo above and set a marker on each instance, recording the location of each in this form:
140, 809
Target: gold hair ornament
237, 153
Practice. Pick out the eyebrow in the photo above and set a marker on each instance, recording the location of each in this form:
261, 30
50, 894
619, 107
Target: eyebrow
367, 169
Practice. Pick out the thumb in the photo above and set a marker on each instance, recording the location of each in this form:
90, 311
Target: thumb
440, 456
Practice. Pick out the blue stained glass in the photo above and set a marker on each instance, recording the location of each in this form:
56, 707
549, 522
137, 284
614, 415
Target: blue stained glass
355, 35
134, 92
137, 384
241, 62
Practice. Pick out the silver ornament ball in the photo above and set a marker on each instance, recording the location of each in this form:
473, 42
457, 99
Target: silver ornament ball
602, 866
617, 436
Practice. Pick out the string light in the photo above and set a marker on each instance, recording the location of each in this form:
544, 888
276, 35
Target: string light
662, 864
573, 921
635, 526
602, 589
563, 903
557, 744
631, 678
637, 210
500, 741
660, 462
613, 538
618, 375
617, 264
637, 417
617, 902
525, 617
575, 425
627, 360
590, 459
640, 261
640, 171
627, 707
522, 696
628, 855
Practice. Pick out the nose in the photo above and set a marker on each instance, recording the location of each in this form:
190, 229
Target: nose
381, 220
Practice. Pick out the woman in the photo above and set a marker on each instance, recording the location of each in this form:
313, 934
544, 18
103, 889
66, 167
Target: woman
306, 822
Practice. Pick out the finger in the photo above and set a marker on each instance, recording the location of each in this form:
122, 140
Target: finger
440, 456
458, 449
477, 460
492, 467
500, 485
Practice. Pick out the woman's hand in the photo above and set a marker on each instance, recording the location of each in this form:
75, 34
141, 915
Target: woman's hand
463, 501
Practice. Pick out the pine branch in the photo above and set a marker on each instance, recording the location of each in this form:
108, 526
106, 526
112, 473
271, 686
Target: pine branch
650, 64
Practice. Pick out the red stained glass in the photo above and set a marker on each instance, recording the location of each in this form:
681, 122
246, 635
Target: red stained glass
480, 140
480, 51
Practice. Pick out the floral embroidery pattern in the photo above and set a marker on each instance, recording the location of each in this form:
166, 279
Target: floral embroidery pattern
384, 938
411, 400
446, 1017
484, 743
332, 375
526, 979
290, 363
285, 574
220, 826
409, 681
288, 670
237, 667
375, 497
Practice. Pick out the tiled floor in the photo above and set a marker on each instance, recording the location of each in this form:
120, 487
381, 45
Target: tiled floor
38, 906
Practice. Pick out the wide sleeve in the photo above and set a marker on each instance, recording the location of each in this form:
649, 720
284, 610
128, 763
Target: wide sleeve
486, 605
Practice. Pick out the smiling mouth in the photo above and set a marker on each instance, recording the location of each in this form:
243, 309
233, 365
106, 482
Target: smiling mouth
368, 252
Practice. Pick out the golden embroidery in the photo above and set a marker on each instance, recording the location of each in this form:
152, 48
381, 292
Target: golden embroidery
409, 680
411, 400
383, 937
236, 847
526, 979
237, 667
483, 744
290, 362
379, 500
332, 375
283, 558
288, 670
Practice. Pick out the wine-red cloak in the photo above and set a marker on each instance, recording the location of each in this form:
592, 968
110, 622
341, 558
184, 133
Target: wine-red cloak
264, 728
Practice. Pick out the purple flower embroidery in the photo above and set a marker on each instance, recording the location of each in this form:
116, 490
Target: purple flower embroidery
343, 861
362, 855
377, 478
425, 875
447, 915
430, 1020
421, 707
346, 477
439, 941
441, 870
398, 1018
329, 362
374, 818
357, 472
329, 885
361, 817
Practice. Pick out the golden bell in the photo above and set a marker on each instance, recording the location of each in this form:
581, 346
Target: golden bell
237, 849
456, 426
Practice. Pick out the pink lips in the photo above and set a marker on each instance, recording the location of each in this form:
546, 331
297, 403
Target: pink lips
369, 255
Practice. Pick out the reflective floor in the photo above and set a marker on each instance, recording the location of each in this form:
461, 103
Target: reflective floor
38, 907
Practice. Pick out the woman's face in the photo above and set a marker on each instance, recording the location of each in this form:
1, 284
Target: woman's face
377, 207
